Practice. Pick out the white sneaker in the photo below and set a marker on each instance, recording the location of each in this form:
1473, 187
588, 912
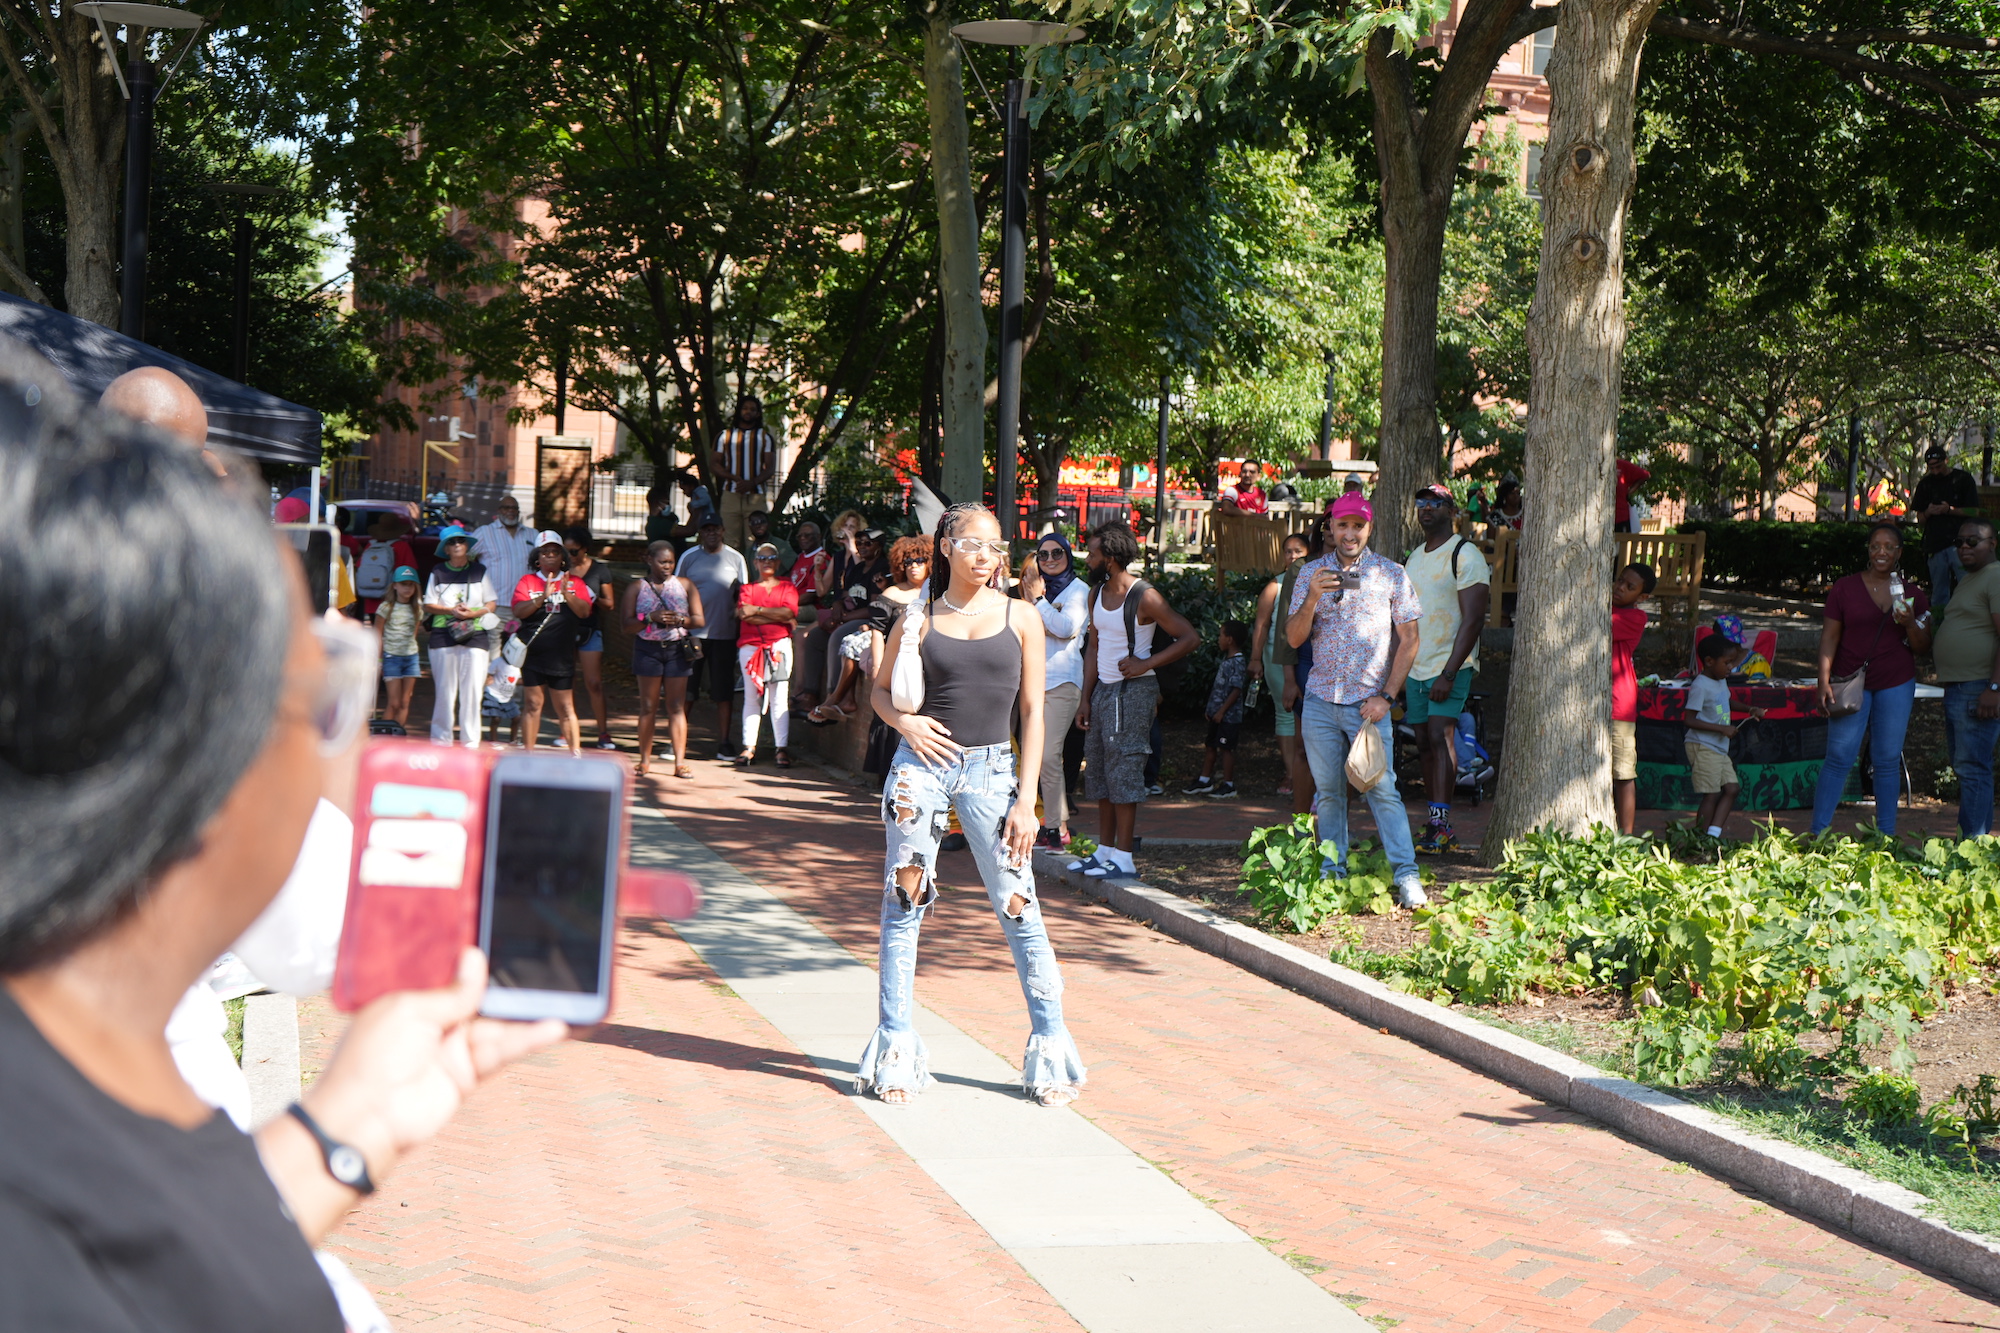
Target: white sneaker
1411, 895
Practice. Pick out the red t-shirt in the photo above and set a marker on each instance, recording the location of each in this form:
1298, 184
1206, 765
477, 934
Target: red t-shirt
1627, 624
1629, 475
766, 632
1249, 499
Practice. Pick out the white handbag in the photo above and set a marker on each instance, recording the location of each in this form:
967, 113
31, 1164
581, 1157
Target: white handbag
906, 682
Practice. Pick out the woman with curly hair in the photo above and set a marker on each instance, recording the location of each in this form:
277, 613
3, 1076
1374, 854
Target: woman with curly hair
982, 658
910, 565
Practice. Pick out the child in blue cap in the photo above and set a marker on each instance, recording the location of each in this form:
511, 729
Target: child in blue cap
397, 618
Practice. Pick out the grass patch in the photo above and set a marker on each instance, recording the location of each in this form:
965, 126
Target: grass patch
234, 1033
1963, 1194
1608, 1045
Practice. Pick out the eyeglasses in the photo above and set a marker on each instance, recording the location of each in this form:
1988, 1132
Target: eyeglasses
347, 695
974, 545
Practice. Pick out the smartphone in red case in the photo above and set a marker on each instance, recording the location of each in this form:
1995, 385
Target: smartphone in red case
413, 890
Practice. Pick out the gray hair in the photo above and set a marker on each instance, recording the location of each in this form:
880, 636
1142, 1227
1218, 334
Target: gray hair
146, 627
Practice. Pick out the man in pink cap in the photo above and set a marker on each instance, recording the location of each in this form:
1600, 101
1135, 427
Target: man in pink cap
1361, 614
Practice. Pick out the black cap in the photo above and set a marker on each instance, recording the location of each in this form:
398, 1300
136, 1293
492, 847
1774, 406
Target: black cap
1937, 453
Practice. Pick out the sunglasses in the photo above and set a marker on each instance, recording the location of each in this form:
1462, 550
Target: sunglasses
1432, 502
1968, 541
974, 545
1049, 553
347, 695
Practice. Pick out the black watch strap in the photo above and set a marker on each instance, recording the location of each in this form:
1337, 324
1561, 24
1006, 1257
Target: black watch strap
343, 1162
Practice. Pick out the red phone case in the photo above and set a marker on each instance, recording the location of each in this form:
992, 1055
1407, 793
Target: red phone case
413, 887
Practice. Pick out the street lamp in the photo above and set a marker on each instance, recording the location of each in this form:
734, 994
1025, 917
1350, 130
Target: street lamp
1013, 237
136, 82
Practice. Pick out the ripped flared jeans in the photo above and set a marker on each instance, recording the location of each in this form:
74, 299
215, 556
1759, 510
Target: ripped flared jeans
916, 800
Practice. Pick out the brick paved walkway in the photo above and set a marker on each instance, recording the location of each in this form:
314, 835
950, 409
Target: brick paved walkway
688, 1168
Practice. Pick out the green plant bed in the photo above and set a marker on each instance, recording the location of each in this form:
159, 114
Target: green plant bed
233, 1034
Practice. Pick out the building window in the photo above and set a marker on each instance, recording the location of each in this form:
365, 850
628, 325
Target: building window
1534, 184
1545, 42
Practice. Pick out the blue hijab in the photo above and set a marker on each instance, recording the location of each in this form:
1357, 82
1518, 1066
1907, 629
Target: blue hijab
1053, 584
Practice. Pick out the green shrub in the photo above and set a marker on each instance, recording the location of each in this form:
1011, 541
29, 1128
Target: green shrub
1792, 558
1883, 1098
1778, 938
1281, 871
1193, 593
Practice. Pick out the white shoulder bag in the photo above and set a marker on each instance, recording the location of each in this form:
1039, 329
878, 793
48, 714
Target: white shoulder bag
906, 682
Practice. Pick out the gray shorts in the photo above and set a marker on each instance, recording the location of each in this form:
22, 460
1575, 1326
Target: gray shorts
1119, 740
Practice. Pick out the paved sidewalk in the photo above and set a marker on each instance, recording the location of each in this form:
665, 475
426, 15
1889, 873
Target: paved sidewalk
689, 1167
1421, 1190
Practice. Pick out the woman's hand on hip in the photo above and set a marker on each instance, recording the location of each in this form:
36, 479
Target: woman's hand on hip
932, 742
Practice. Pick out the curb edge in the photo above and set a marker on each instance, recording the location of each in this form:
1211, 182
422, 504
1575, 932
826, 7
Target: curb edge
1882, 1214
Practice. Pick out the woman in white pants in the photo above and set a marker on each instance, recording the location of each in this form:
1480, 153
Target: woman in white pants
765, 613
1050, 585
458, 593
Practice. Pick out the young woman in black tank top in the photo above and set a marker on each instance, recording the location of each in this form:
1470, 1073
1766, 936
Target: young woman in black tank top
982, 657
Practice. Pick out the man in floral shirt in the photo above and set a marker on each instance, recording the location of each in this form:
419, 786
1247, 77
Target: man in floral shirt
1361, 614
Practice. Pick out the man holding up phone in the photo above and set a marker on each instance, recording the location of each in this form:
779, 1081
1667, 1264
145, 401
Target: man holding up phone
1361, 612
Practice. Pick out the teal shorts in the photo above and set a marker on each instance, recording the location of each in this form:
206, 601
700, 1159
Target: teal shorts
1274, 684
1417, 704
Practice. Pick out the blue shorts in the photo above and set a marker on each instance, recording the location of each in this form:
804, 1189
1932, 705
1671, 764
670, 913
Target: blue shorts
593, 644
400, 666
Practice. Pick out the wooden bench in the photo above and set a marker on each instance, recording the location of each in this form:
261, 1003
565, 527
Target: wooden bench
1676, 558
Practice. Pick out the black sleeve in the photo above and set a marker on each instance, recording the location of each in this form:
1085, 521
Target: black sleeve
1967, 491
46, 1279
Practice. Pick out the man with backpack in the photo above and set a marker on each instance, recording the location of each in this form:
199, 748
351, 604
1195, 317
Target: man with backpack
375, 565
1358, 609
1452, 584
1124, 668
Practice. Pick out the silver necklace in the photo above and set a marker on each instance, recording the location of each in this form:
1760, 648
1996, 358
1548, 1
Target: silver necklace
956, 609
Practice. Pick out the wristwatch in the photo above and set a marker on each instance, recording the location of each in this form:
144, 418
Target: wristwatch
343, 1162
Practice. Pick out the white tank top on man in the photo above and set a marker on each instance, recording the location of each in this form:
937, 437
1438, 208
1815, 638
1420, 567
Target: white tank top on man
1112, 647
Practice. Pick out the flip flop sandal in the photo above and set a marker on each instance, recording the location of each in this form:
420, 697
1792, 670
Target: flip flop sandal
683, 771
784, 760
816, 718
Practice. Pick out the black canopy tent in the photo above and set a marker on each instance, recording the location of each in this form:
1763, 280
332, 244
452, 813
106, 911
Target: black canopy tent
90, 356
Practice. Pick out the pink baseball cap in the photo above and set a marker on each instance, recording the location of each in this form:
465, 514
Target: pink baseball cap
291, 509
1354, 502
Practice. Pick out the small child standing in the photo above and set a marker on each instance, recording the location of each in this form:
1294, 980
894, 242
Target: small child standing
1709, 730
1628, 623
1225, 713
397, 616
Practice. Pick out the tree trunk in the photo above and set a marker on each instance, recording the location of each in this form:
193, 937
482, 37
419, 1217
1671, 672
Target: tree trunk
1416, 153
1556, 768
963, 382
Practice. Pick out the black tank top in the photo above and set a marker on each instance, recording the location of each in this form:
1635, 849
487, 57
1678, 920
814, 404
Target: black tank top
970, 684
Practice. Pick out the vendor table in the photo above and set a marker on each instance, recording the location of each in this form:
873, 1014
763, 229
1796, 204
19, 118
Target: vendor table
1777, 760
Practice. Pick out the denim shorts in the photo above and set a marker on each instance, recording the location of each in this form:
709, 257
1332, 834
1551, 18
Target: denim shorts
400, 666
593, 644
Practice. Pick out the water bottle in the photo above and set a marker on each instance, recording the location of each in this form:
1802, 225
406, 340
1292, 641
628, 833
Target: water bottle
1898, 601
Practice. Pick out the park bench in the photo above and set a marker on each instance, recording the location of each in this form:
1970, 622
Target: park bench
1676, 558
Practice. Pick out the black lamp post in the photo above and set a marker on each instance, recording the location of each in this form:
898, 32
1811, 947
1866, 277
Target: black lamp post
1013, 242
141, 91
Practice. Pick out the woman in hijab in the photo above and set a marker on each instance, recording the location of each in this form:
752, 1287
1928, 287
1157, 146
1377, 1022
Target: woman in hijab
1050, 585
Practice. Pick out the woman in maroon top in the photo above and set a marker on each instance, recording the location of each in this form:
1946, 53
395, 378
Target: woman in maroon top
1876, 621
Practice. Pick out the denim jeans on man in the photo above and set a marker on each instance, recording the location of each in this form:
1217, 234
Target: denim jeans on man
1947, 571
1972, 739
1327, 732
1884, 717
916, 800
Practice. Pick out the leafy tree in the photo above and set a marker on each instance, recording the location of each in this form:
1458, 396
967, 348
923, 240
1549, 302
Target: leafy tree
676, 203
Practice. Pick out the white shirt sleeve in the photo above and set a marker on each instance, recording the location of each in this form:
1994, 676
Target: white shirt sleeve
291, 946
1064, 617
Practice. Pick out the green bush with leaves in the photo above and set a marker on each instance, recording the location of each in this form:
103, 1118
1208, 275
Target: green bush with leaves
1782, 937
1282, 873
1792, 558
1882, 1098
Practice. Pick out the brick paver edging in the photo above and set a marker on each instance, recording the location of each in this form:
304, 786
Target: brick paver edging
1807, 1182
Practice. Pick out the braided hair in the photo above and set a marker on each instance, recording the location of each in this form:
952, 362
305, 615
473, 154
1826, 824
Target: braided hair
949, 525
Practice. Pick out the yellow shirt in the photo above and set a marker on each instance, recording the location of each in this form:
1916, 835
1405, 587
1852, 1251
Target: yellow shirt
1437, 593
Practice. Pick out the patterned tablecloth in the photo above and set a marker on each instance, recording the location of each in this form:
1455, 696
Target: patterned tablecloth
1777, 760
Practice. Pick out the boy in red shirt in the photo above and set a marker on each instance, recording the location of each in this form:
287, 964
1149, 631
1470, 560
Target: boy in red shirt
1628, 622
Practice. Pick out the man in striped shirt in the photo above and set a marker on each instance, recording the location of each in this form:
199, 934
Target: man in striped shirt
744, 458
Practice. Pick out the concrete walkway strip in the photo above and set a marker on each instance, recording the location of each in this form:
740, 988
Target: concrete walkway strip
1122, 1246
1880, 1213
270, 1054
